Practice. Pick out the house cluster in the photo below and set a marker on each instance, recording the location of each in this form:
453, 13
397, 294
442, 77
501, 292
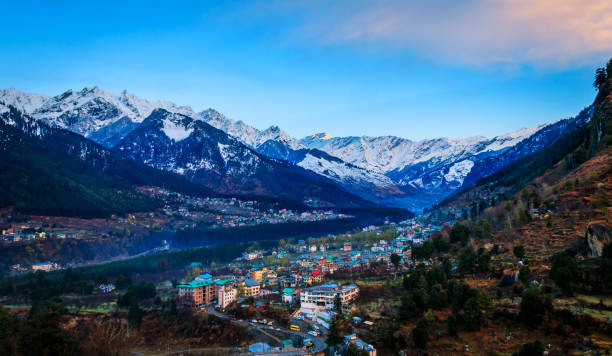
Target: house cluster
13, 235
272, 216
207, 290
309, 263
232, 212
43, 267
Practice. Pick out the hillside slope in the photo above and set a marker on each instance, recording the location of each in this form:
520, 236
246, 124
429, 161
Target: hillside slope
51, 171
552, 200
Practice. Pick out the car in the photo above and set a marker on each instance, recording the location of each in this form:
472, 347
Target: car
313, 333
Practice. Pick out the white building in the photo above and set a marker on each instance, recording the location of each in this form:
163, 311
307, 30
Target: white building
226, 293
321, 297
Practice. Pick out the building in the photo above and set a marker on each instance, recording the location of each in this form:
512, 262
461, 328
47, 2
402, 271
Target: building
316, 277
226, 292
322, 297
287, 295
259, 347
257, 273
348, 246
270, 278
196, 293
360, 344
106, 288
45, 266
251, 287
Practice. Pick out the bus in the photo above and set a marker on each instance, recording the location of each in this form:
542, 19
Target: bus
294, 328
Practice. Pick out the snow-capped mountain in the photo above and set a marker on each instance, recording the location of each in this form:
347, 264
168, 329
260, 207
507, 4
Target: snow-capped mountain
91, 112
181, 144
107, 118
435, 168
24, 102
275, 143
386, 169
246, 133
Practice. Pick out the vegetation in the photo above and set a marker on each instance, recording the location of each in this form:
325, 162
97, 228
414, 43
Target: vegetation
45, 175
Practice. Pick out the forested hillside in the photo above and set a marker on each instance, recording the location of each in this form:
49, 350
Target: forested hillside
50, 171
563, 157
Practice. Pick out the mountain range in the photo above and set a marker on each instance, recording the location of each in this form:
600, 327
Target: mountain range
232, 157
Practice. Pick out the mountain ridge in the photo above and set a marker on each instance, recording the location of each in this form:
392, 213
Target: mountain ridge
387, 169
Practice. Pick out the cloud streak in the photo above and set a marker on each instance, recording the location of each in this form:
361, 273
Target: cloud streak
480, 32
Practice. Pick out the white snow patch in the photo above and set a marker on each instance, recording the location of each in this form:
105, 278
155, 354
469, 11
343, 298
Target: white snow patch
458, 171
176, 132
341, 172
511, 139
417, 183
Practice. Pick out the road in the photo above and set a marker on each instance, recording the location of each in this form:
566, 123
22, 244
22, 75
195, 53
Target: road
319, 343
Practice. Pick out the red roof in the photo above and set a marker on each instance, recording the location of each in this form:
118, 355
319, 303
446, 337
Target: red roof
316, 272
321, 262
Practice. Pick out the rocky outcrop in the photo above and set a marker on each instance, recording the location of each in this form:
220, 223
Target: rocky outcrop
598, 234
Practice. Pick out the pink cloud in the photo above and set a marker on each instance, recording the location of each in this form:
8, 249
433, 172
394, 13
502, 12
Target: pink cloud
474, 32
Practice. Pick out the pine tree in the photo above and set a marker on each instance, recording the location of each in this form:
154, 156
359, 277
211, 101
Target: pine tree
134, 315
338, 304
333, 334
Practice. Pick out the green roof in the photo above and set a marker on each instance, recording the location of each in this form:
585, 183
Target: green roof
223, 281
288, 291
195, 284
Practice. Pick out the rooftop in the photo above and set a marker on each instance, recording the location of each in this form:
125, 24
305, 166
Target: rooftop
250, 282
195, 284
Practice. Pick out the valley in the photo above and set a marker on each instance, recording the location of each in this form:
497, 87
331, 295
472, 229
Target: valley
306, 178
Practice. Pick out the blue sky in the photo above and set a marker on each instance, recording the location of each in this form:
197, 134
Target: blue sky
346, 67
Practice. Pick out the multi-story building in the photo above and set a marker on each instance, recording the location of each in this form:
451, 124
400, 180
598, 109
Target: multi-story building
196, 293
251, 287
269, 278
321, 297
257, 273
226, 292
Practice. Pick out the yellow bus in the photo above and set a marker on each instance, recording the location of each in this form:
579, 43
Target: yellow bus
294, 328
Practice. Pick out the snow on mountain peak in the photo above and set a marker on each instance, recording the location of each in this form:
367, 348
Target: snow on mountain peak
175, 130
23, 101
89, 109
246, 133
